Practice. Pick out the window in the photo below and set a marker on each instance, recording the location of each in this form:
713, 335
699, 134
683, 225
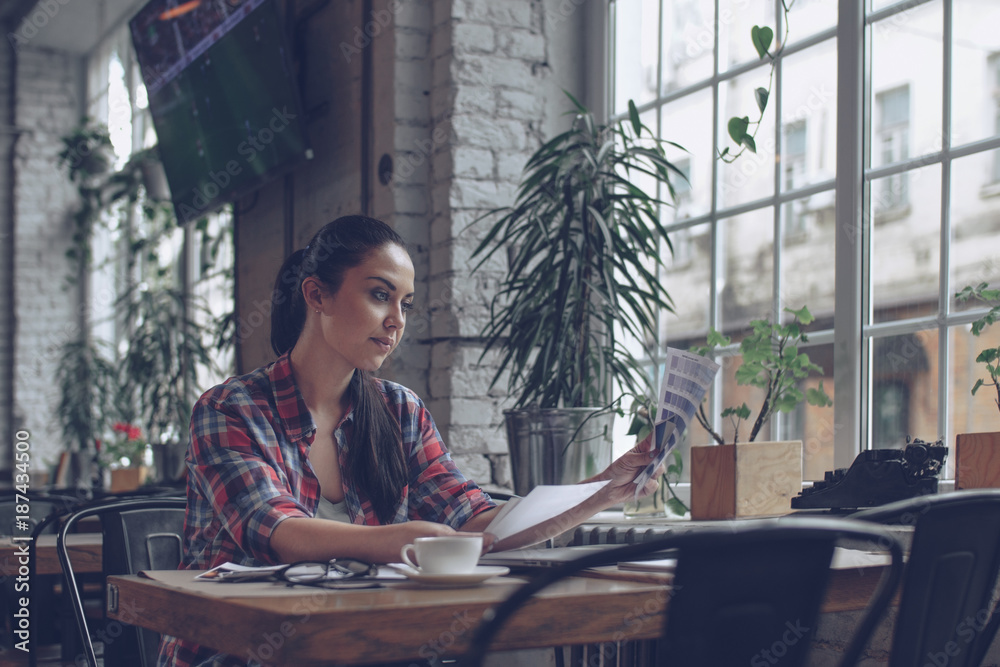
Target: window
196, 260
892, 145
793, 165
993, 107
897, 136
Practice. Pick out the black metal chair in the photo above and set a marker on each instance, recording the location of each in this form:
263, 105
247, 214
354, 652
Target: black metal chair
738, 589
139, 534
946, 613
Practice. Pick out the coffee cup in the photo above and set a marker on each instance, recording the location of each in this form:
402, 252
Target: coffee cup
443, 555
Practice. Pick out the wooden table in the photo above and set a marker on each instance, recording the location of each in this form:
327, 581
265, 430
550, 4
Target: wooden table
84, 553
402, 621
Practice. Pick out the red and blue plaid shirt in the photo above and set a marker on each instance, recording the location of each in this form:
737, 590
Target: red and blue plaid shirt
248, 470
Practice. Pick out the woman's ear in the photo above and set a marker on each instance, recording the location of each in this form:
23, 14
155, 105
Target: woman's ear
314, 294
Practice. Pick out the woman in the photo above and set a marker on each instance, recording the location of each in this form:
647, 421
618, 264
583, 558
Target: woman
314, 436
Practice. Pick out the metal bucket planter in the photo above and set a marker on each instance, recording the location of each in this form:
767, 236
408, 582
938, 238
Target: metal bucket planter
541, 451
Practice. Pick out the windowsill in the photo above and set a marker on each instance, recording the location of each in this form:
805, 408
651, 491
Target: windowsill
615, 516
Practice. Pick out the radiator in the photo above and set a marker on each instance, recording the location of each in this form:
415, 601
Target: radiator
635, 653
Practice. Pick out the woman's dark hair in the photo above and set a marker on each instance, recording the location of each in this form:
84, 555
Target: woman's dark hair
375, 454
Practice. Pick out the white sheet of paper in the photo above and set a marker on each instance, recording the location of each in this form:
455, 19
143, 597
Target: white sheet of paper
541, 504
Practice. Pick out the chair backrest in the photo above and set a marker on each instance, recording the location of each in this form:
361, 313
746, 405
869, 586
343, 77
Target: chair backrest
946, 613
738, 589
139, 534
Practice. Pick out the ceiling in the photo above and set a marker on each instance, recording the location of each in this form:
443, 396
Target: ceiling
75, 26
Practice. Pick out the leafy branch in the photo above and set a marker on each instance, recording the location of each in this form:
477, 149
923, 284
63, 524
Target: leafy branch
990, 357
739, 127
772, 362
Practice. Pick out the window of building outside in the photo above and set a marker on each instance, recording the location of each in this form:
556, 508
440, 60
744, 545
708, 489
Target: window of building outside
993, 106
919, 162
197, 259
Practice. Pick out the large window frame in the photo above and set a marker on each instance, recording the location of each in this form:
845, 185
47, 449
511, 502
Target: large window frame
856, 328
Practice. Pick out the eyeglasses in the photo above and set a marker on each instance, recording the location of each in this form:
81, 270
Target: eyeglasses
336, 573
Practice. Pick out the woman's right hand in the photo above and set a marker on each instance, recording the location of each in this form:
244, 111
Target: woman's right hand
392, 538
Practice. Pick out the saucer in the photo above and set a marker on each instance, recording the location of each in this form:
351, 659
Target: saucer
477, 576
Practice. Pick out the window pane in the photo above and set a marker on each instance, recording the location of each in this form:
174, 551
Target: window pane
747, 249
807, 278
809, 107
906, 82
808, 17
814, 426
975, 222
688, 277
688, 42
975, 72
636, 48
688, 122
751, 177
906, 244
904, 389
736, 18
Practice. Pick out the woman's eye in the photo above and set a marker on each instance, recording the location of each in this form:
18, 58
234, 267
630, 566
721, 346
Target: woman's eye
407, 306
380, 295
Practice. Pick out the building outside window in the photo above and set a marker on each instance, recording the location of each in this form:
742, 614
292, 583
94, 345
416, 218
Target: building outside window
883, 122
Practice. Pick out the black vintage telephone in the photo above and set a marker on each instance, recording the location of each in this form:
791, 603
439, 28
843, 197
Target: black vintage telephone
877, 477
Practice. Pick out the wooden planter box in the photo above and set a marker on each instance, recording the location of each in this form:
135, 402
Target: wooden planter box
977, 460
744, 480
128, 479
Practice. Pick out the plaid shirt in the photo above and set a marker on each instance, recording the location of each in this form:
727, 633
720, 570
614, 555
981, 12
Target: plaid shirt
248, 470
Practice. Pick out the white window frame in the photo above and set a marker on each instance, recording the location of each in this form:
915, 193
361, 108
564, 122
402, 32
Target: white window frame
855, 327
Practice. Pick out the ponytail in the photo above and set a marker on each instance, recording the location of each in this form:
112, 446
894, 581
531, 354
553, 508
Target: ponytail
376, 453
288, 308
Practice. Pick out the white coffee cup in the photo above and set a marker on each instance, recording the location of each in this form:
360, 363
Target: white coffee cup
443, 555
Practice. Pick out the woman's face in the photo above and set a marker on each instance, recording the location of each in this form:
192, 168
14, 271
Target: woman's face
363, 321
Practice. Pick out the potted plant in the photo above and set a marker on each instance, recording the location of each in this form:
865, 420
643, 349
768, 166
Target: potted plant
735, 478
976, 464
124, 455
150, 379
582, 242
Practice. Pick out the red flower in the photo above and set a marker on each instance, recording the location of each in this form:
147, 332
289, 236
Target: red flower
134, 433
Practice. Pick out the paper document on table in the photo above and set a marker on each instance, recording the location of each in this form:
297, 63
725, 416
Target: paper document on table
686, 379
542, 503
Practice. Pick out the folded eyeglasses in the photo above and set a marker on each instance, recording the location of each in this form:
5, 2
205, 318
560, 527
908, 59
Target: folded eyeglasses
335, 573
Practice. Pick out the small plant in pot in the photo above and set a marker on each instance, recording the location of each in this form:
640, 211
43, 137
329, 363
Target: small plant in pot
975, 453
743, 479
582, 243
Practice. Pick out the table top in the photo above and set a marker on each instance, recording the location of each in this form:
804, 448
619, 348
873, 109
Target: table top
84, 552
405, 621
397, 622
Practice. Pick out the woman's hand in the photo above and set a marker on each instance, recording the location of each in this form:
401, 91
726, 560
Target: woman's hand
622, 473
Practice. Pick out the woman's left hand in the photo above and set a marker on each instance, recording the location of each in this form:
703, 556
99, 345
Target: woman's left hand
622, 473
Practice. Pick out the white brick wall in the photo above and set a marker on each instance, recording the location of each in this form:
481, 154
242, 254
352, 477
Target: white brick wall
490, 79
48, 102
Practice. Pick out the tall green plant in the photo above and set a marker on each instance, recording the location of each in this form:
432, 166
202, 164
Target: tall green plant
88, 393
584, 243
